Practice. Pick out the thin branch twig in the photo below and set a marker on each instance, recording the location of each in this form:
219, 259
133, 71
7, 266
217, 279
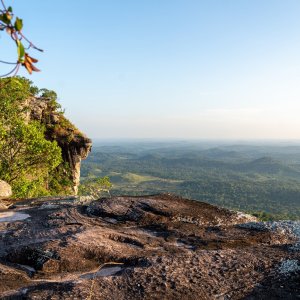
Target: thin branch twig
3, 5
14, 30
12, 71
30, 43
8, 63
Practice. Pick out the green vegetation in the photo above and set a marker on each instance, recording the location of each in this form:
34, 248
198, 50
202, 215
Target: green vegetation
95, 187
263, 180
31, 163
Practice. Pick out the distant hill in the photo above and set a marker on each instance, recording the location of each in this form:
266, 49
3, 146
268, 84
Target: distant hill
268, 165
248, 177
221, 154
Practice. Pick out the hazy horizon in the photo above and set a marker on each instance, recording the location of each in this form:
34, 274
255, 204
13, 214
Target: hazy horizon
170, 69
183, 141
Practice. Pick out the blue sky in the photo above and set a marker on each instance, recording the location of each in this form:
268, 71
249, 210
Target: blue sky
170, 68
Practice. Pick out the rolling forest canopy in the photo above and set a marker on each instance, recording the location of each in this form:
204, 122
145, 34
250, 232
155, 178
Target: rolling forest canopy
261, 179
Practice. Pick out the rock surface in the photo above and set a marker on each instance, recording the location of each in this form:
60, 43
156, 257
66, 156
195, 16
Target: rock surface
152, 247
73, 152
5, 190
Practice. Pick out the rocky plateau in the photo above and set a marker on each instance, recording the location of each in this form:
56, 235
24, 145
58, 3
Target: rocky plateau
148, 247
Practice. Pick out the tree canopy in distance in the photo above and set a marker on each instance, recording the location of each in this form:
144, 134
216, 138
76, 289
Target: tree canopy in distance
13, 26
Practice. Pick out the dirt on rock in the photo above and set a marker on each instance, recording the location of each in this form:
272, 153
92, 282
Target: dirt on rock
148, 247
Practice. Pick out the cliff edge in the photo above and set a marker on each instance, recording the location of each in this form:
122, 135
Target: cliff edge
74, 144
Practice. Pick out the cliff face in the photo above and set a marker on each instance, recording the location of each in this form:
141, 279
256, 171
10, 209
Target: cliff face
74, 144
73, 152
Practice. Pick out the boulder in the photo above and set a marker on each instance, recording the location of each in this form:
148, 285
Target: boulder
5, 190
2, 206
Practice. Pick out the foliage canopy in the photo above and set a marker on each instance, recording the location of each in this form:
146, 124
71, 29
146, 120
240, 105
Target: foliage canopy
27, 158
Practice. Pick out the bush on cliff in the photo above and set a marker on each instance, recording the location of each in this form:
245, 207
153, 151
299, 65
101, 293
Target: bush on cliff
28, 161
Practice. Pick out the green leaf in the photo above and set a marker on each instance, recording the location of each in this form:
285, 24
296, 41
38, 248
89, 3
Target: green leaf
5, 18
21, 51
18, 24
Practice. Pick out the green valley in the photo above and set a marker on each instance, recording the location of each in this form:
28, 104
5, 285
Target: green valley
263, 179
